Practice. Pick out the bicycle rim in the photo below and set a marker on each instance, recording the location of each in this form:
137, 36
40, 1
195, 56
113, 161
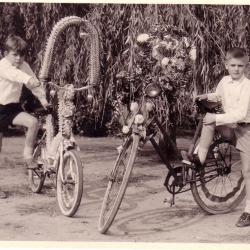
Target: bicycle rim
70, 188
118, 181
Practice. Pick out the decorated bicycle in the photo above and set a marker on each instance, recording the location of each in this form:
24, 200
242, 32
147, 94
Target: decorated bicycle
56, 151
162, 74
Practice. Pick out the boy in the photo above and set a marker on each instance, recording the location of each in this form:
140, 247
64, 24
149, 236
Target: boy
14, 72
234, 93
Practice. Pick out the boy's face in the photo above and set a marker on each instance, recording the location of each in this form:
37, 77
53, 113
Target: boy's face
15, 58
236, 67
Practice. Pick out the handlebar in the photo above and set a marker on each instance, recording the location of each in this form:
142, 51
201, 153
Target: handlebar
41, 111
65, 87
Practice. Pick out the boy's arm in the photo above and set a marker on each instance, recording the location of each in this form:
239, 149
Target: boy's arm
40, 94
35, 87
213, 97
14, 74
217, 95
239, 114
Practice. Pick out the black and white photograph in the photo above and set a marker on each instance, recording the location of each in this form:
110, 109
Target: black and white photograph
124, 123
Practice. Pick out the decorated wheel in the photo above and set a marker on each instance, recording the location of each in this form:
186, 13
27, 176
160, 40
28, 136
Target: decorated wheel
219, 186
70, 183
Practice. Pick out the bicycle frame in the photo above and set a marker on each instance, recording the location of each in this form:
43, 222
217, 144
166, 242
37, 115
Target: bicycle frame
151, 118
65, 128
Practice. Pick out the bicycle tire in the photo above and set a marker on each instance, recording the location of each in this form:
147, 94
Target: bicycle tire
225, 167
105, 223
69, 205
37, 176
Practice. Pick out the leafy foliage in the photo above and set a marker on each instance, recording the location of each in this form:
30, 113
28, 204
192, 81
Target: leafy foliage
212, 28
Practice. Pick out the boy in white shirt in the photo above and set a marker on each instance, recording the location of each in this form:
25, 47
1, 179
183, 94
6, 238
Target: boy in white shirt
234, 93
14, 72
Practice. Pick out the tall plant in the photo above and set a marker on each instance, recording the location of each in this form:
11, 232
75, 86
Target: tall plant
212, 28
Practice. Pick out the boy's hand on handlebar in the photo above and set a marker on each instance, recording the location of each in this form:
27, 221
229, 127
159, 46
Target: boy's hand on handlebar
201, 97
209, 119
48, 107
33, 82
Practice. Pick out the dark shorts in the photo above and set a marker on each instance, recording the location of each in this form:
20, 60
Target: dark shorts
7, 114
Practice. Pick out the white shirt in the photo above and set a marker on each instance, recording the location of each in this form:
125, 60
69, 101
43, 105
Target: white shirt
12, 80
235, 97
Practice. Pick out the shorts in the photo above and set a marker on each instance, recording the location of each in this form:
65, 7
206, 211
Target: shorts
241, 134
7, 114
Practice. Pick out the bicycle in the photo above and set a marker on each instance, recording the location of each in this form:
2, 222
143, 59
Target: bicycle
58, 155
217, 188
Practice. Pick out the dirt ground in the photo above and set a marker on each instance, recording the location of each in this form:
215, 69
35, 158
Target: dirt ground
144, 217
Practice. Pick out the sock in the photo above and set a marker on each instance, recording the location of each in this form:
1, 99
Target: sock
247, 206
202, 154
196, 150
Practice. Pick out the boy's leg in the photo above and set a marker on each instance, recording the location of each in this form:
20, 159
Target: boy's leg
207, 135
31, 123
206, 139
244, 220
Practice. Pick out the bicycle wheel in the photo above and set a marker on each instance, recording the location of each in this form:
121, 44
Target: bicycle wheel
219, 188
118, 181
37, 176
70, 184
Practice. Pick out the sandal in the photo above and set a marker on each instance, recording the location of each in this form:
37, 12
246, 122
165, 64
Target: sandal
244, 220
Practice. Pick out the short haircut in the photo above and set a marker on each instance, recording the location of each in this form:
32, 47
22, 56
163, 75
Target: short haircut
238, 53
15, 43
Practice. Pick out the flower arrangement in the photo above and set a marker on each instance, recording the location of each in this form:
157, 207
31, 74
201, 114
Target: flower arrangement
164, 56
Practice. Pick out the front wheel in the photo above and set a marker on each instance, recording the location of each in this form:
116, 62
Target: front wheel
70, 183
219, 187
118, 181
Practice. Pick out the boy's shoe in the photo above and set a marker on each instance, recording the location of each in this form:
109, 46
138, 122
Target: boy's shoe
3, 195
244, 220
194, 159
197, 163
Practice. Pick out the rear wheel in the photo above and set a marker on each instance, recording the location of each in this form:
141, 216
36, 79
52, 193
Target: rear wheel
70, 184
118, 181
219, 186
37, 176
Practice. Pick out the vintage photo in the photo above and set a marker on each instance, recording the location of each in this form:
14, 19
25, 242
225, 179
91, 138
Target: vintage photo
124, 123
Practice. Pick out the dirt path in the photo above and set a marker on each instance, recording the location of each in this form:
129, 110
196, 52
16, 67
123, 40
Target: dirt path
144, 215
